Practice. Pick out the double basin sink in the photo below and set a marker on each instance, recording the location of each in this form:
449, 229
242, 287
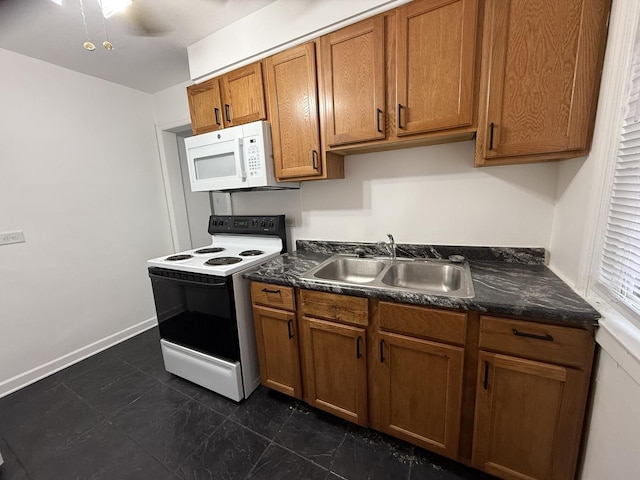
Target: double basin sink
424, 276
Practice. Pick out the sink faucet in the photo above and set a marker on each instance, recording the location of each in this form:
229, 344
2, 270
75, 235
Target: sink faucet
391, 246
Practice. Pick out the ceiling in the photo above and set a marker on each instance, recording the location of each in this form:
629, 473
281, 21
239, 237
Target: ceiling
150, 37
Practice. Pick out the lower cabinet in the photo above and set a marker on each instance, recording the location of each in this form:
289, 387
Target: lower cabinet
503, 395
529, 411
333, 347
420, 391
335, 368
277, 338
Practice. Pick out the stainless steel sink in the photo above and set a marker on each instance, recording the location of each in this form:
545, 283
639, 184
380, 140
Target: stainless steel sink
351, 270
430, 277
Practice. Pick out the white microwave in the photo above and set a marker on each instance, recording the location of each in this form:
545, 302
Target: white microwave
234, 158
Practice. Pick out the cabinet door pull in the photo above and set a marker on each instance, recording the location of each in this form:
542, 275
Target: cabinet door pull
358, 352
485, 382
289, 322
226, 111
314, 159
216, 112
546, 336
400, 107
381, 351
267, 290
491, 127
378, 113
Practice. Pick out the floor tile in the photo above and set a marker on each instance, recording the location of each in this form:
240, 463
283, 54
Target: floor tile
429, 466
173, 438
109, 370
88, 365
11, 469
102, 453
368, 455
280, 464
230, 453
36, 427
219, 403
312, 434
117, 394
152, 407
265, 411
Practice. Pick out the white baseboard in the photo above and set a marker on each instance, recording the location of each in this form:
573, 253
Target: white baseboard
27, 378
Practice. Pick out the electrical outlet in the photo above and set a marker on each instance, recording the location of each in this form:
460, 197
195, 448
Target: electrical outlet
7, 238
290, 221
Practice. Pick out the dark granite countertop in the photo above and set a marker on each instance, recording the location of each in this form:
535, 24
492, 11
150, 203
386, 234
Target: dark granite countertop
507, 281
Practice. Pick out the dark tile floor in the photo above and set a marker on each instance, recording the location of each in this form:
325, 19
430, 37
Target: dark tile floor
119, 415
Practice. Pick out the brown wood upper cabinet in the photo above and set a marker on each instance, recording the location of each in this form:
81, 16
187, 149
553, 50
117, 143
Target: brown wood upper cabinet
232, 99
541, 69
406, 75
205, 106
353, 74
435, 58
292, 93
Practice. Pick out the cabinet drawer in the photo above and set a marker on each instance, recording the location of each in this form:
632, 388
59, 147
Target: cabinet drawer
424, 322
550, 343
331, 306
276, 296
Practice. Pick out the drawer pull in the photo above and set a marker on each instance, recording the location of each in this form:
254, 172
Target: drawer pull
485, 382
358, 352
216, 112
546, 336
381, 351
289, 322
266, 290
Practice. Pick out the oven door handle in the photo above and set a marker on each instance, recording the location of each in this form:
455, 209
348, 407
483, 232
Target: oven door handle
188, 282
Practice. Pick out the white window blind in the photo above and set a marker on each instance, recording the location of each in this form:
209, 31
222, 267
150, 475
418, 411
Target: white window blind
620, 261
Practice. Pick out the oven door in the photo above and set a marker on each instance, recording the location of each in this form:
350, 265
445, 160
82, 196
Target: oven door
196, 311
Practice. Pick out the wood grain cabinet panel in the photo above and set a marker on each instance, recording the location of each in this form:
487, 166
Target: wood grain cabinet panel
292, 93
435, 65
335, 368
420, 391
243, 95
353, 69
277, 344
205, 106
541, 62
528, 418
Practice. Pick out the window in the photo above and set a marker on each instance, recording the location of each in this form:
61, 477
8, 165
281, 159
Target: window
619, 273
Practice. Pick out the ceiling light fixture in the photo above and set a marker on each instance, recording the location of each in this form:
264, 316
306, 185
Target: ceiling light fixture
109, 7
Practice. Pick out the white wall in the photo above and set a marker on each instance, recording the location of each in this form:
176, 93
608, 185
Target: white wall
421, 195
274, 28
80, 174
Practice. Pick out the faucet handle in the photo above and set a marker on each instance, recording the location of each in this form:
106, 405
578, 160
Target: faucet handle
390, 238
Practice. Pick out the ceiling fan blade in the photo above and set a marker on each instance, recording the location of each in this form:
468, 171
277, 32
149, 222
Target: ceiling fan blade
143, 22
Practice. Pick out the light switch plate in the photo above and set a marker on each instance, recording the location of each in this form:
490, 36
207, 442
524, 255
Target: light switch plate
7, 238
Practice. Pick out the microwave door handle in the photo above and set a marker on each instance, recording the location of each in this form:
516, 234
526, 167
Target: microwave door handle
239, 159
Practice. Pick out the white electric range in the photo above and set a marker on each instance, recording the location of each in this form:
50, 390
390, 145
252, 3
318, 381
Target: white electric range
203, 303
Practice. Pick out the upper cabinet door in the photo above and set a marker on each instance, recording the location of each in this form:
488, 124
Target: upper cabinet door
243, 95
293, 112
541, 73
205, 106
354, 82
436, 45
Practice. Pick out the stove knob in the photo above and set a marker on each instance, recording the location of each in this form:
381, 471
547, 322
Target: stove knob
254, 222
271, 223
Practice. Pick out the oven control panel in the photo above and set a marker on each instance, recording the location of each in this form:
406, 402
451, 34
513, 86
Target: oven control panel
247, 225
